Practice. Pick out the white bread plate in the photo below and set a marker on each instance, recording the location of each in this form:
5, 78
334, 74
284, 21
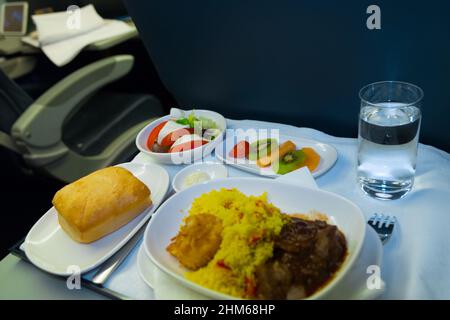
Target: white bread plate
51, 249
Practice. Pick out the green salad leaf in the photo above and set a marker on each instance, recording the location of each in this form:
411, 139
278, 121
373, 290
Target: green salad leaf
192, 119
183, 121
208, 123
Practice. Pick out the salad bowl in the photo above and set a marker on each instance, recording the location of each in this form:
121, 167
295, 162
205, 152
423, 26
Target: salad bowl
182, 137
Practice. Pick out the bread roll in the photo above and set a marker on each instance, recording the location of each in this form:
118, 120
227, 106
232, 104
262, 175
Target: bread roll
100, 203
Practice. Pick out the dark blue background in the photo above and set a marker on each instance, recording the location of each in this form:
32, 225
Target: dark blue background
299, 62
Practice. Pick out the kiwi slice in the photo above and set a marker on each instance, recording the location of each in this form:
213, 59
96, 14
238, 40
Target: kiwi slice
289, 162
261, 148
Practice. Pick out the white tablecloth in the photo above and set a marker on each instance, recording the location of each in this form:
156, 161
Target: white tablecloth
416, 259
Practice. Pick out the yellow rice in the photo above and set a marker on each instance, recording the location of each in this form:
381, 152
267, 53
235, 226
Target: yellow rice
250, 224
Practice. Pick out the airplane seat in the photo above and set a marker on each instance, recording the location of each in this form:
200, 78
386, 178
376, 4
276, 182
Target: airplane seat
74, 128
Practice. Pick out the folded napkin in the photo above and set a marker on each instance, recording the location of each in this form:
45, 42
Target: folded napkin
62, 35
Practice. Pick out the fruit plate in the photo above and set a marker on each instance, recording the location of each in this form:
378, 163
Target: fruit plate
328, 155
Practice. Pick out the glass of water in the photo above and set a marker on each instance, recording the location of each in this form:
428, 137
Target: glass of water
389, 123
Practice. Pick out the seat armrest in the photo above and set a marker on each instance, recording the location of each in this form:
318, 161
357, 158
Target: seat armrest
17, 67
7, 142
41, 124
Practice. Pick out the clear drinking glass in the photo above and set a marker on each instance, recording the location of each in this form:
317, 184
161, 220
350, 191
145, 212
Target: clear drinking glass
389, 123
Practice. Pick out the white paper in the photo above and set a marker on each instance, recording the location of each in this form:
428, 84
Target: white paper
61, 38
301, 177
58, 26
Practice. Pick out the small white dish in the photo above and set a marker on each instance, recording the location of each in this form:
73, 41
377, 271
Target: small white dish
328, 156
164, 286
290, 198
146, 269
352, 287
188, 156
212, 170
49, 248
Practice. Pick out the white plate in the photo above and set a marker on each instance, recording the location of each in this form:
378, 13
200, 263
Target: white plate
164, 286
188, 156
213, 169
146, 269
328, 155
354, 284
51, 249
352, 287
289, 198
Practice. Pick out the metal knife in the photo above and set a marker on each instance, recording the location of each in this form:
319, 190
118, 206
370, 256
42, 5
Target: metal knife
107, 268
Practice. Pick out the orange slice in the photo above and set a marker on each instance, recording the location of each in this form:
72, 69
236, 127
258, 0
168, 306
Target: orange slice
312, 158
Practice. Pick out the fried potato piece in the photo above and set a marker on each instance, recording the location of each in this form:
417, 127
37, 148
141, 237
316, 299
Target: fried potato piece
197, 241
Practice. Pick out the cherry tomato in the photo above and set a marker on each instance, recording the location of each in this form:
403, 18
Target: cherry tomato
154, 135
240, 150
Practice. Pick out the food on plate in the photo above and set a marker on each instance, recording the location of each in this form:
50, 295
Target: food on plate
258, 252
153, 136
187, 142
240, 150
181, 134
312, 158
249, 227
196, 178
289, 162
284, 148
296, 159
100, 203
283, 158
261, 148
306, 255
198, 240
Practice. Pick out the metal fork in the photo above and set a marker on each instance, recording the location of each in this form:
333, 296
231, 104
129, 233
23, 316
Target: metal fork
383, 226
